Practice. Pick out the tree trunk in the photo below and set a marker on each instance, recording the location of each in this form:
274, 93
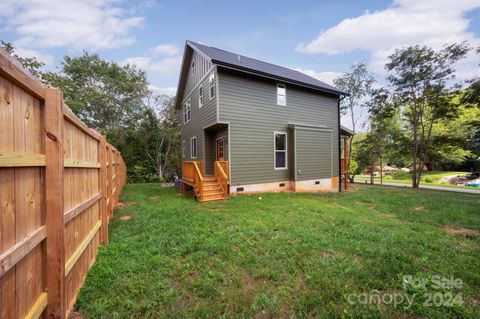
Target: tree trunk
381, 171
372, 172
414, 152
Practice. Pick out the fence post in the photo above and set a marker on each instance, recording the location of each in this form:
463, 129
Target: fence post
102, 152
109, 182
55, 270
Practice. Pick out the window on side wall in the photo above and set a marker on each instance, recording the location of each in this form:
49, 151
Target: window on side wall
200, 97
193, 147
211, 85
281, 94
186, 112
280, 140
184, 149
193, 68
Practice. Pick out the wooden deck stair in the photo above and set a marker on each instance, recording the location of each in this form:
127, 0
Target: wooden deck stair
212, 190
207, 188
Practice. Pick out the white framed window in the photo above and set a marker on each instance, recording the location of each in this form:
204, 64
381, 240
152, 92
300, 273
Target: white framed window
281, 94
280, 150
200, 97
186, 112
184, 149
211, 85
193, 67
193, 147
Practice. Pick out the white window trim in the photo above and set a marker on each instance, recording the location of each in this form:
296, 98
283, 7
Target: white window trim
191, 147
189, 113
200, 97
276, 96
184, 148
210, 86
275, 151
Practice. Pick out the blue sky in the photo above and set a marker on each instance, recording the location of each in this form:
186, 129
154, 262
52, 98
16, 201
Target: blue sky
320, 38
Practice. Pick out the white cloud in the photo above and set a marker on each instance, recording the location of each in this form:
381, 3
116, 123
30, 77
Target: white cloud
170, 91
326, 77
79, 24
167, 64
406, 22
166, 49
25, 53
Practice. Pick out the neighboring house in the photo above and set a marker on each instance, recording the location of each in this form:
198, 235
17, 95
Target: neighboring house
251, 126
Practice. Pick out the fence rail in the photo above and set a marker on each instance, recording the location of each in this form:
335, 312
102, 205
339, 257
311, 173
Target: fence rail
59, 181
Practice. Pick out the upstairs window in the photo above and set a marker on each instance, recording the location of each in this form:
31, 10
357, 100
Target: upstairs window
281, 94
280, 140
193, 68
186, 112
211, 85
184, 149
193, 147
200, 97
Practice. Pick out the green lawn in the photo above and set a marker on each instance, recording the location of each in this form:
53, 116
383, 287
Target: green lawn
285, 255
433, 178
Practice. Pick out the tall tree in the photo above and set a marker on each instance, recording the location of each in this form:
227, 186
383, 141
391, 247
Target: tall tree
421, 78
106, 96
472, 94
357, 82
381, 112
31, 64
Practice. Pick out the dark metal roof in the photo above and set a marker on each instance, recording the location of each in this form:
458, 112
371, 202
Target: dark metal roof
243, 63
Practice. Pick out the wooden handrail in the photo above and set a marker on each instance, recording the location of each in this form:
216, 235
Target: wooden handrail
221, 175
221, 170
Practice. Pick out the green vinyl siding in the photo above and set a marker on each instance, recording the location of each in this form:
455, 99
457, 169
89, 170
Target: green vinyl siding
248, 103
201, 118
314, 154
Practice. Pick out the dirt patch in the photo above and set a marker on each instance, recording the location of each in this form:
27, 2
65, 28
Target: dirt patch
76, 315
474, 302
419, 208
460, 231
263, 314
124, 204
154, 196
191, 277
249, 283
125, 218
301, 282
326, 254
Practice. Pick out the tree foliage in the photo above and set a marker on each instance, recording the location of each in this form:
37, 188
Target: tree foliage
357, 83
31, 64
420, 78
106, 96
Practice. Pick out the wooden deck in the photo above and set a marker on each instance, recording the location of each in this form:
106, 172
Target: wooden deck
207, 188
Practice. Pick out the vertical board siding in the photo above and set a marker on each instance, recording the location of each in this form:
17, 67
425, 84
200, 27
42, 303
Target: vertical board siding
202, 67
248, 103
23, 194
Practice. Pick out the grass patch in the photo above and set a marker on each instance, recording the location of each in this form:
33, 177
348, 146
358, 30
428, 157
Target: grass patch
433, 178
288, 255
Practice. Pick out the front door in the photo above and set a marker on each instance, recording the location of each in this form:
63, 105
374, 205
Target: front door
220, 149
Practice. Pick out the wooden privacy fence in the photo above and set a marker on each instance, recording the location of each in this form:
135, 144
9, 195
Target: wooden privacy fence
59, 181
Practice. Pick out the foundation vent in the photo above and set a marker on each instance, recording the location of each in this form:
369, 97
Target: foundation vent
281, 184
240, 189
317, 182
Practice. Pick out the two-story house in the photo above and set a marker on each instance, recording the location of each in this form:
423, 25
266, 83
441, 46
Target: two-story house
251, 126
